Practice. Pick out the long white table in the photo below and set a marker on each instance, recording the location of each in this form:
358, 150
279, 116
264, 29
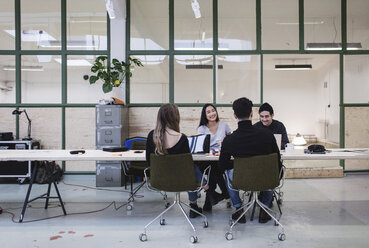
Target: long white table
95, 155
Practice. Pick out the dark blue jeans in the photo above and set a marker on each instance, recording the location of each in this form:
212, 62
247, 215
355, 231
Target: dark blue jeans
266, 196
192, 196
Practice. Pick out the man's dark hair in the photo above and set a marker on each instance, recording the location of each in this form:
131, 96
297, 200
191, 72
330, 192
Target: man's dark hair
242, 107
266, 107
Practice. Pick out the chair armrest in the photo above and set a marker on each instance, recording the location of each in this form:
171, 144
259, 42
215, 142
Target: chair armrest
282, 176
125, 168
202, 185
229, 182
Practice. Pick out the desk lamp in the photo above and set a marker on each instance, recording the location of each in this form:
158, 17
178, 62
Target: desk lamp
299, 140
18, 112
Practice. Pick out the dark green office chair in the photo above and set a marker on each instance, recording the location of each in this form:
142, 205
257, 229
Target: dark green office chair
173, 173
255, 174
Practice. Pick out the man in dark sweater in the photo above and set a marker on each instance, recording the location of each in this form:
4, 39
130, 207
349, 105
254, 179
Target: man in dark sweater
246, 141
266, 114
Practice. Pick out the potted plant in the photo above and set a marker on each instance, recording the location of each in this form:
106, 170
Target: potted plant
114, 74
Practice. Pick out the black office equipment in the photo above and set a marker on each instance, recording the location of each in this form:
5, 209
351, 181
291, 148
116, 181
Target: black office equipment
6, 136
77, 152
115, 149
17, 169
315, 149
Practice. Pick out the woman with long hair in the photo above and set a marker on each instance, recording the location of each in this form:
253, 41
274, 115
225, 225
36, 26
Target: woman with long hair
210, 124
166, 138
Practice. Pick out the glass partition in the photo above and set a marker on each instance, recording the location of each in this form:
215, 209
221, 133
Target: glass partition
238, 76
237, 26
149, 25
7, 79
322, 25
356, 79
86, 25
7, 25
280, 24
41, 79
193, 25
357, 24
193, 78
150, 84
40, 25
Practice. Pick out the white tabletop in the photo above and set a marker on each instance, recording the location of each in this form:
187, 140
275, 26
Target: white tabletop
94, 155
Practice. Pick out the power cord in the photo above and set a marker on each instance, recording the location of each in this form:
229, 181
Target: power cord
56, 205
116, 208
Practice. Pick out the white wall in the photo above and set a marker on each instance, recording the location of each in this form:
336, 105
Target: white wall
293, 97
300, 100
328, 99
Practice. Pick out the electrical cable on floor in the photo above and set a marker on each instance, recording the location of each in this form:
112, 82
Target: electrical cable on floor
103, 189
57, 205
61, 215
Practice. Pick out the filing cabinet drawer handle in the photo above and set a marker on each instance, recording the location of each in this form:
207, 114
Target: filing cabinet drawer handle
108, 141
108, 122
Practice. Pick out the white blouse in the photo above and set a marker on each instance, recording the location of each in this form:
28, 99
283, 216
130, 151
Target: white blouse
217, 138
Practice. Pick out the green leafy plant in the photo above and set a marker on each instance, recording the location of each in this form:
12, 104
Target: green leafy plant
112, 74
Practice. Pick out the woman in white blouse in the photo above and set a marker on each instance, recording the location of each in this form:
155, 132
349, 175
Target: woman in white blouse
210, 124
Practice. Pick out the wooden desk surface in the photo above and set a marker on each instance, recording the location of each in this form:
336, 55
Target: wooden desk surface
95, 155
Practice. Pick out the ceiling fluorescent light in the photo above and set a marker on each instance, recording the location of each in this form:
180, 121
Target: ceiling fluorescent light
110, 8
24, 68
70, 43
75, 62
196, 8
332, 46
293, 67
202, 66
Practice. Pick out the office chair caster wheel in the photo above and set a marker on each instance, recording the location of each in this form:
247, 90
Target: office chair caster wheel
193, 239
206, 224
229, 236
276, 223
167, 204
143, 237
162, 222
129, 207
280, 194
281, 236
280, 201
229, 204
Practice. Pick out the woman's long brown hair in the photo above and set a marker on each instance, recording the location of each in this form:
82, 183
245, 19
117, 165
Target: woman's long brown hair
168, 117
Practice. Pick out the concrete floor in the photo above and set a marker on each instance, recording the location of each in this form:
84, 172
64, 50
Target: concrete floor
316, 213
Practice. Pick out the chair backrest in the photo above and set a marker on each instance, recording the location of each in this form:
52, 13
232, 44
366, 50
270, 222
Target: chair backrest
172, 173
128, 142
138, 145
257, 173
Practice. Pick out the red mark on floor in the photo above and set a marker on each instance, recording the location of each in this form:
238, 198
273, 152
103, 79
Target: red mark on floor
61, 232
88, 235
55, 237
34, 240
71, 232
